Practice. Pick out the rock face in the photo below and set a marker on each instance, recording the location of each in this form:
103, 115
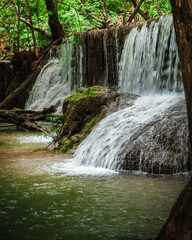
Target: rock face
161, 147
179, 224
100, 51
83, 109
13, 74
101, 54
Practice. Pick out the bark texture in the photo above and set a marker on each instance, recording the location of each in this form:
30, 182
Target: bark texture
54, 23
182, 14
179, 224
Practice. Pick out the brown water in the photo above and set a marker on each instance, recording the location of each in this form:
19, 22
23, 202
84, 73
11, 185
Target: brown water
38, 202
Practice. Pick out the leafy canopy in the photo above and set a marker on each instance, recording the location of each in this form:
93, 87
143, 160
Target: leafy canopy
74, 15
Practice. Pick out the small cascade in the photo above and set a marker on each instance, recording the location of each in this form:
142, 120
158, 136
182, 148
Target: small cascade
149, 61
58, 78
130, 138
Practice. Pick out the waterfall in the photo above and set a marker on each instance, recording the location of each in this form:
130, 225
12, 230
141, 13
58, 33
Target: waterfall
58, 78
114, 137
143, 136
149, 61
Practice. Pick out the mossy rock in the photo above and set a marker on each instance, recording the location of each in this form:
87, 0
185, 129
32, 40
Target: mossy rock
82, 110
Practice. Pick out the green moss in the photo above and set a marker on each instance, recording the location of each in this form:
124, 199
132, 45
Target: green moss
156, 19
66, 145
89, 126
83, 93
82, 110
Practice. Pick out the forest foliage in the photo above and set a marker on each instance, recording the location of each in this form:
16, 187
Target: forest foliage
24, 23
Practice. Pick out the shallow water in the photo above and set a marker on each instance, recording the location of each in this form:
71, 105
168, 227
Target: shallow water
38, 201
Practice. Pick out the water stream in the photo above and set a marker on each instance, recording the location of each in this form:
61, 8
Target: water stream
40, 202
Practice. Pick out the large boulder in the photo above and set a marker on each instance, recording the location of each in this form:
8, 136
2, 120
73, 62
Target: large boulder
83, 109
161, 146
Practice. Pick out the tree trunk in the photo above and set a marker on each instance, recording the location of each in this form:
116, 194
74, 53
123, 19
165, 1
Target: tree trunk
54, 23
158, 7
104, 10
179, 224
32, 30
124, 11
147, 9
18, 25
40, 30
182, 14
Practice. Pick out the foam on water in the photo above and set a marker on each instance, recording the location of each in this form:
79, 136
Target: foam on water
70, 168
35, 139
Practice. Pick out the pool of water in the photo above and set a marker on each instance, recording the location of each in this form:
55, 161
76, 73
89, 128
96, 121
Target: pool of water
37, 201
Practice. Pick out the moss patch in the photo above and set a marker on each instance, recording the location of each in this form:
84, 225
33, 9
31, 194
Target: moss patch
82, 110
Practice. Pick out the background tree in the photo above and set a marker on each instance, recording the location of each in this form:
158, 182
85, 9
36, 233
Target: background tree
72, 16
54, 23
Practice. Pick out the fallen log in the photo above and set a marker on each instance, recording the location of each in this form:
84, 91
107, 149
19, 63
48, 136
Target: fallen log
26, 119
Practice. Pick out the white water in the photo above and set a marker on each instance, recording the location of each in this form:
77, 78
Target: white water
149, 61
35, 139
58, 78
69, 168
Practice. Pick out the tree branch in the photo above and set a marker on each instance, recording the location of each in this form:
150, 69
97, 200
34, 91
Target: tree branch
135, 11
5, 5
144, 15
40, 30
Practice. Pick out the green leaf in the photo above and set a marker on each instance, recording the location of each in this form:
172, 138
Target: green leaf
50, 13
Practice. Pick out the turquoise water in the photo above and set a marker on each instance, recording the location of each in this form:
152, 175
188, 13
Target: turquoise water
38, 202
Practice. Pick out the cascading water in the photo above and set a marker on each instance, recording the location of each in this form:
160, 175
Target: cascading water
58, 78
149, 61
149, 64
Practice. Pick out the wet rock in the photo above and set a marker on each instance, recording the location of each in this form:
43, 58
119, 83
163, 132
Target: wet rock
101, 54
161, 147
13, 73
83, 109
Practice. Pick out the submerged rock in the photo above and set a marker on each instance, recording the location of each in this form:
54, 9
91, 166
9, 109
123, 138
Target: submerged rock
83, 109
